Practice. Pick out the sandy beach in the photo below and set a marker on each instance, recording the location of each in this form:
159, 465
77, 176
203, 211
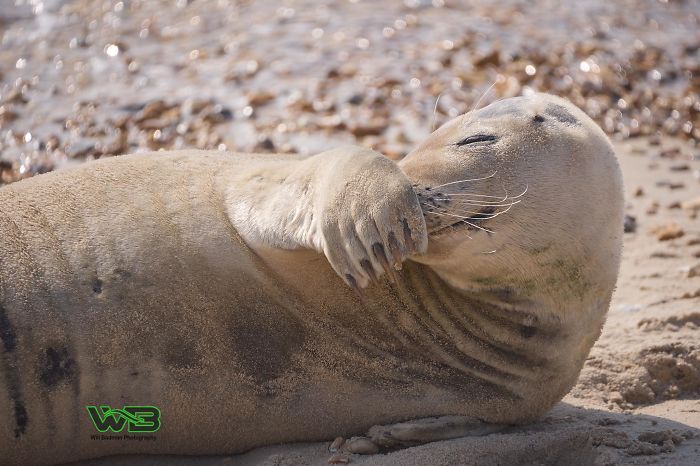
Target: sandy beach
81, 80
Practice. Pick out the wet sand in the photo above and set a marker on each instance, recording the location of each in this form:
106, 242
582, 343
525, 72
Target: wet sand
87, 79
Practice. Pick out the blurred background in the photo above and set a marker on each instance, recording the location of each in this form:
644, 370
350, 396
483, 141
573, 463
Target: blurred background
85, 79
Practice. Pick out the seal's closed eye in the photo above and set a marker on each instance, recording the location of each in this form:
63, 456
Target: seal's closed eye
477, 138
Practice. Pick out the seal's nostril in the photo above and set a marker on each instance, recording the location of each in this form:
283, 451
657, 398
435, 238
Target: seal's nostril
538, 118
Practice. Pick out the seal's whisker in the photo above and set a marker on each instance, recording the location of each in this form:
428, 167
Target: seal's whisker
470, 115
465, 220
474, 215
478, 195
504, 210
522, 193
432, 123
474, 202
501, 199
464, 181
486, 215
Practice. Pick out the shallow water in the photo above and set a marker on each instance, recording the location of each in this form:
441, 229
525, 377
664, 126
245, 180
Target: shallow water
301, 76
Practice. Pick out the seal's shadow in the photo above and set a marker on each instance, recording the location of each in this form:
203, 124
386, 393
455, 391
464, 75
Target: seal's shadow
567, 435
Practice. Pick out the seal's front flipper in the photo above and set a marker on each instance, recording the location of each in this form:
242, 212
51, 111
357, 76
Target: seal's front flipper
432, 429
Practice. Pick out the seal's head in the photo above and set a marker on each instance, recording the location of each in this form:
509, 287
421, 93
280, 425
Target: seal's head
523, 199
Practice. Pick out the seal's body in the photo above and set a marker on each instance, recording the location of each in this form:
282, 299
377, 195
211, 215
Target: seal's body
192, 281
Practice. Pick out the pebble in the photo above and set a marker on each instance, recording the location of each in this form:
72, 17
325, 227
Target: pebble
693, 271
338, 458
691, 206
361, 445
336, 445
667, 231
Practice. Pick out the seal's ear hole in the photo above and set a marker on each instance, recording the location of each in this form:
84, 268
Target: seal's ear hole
538, 119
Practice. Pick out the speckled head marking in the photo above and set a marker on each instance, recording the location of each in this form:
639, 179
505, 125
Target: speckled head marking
520, 175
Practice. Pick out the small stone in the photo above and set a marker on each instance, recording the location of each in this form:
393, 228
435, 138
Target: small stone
653, 208
663, 255
258, 98
6, 115
670, 153
691, 206
374, 127
492, 58
670, 184
691, 295
667, 231
336, 444
152, 109
15, 96
339, 458
361, 446
693, 271
152, 123
630, 224
215, 114
680, 167
264, 145
639, 192
355, 99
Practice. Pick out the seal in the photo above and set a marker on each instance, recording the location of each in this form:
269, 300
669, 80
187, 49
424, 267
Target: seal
246, 296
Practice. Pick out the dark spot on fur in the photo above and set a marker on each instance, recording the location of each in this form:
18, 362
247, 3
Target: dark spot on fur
7, 332
21, 418
527, 331
56, 366
181, 354
265, 341
97, 286
427, 188
9, 366
538, 119
560, 113
134, 373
